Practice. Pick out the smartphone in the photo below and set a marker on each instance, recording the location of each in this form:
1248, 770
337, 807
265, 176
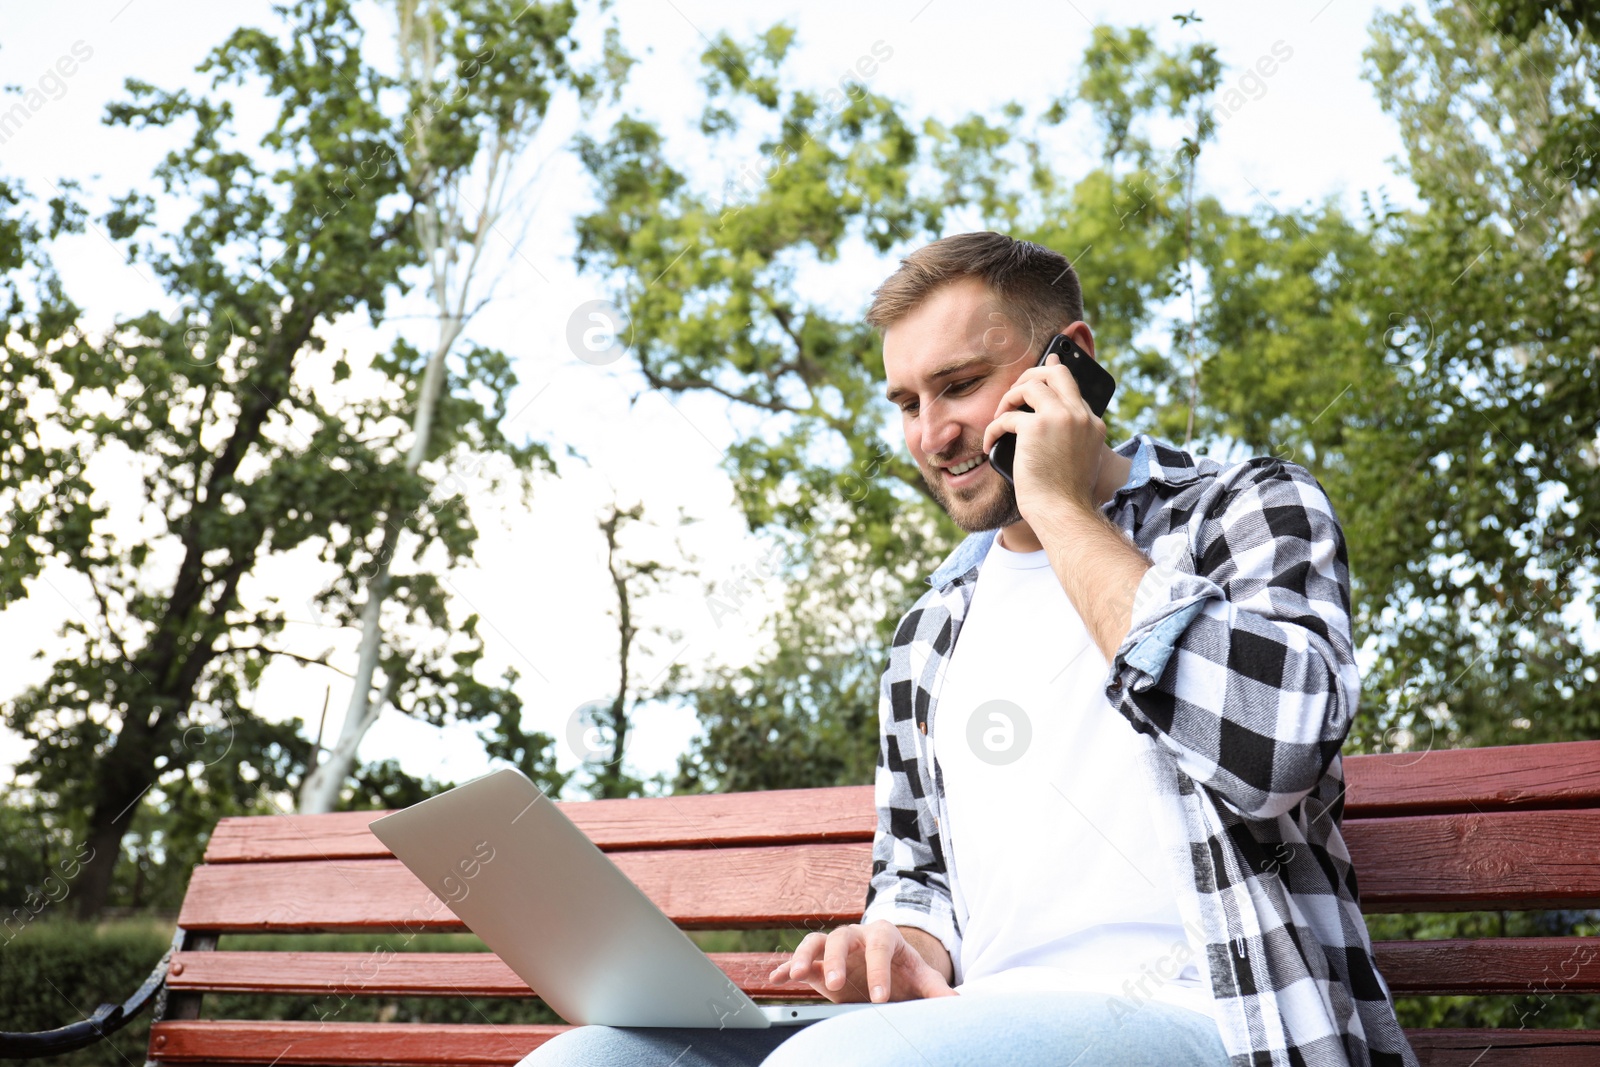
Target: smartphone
1094, 382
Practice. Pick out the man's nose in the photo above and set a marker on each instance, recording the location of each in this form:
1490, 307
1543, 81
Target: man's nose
940, 429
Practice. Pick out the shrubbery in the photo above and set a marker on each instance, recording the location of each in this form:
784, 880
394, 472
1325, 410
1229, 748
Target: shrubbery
56, 972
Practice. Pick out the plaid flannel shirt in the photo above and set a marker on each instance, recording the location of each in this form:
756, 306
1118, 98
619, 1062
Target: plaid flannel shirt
1239, 664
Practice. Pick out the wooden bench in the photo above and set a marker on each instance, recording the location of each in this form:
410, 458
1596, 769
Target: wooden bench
1482, 829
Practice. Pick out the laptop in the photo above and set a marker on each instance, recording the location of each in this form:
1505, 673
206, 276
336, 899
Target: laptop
526, 880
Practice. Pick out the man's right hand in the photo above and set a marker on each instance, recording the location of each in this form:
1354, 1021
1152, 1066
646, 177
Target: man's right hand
873, 962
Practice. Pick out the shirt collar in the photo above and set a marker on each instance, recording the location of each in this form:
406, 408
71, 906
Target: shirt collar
1149, 461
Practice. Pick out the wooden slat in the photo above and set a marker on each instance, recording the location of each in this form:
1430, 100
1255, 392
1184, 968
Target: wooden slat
377, 1044
390, 973
1523, 860
1413, 863
715, 888
1563, 774
426, 1044
1506, 1048
1532, 966
780, 816
1540, 966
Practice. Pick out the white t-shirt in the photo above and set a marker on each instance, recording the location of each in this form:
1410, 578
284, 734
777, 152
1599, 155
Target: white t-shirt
1048, 786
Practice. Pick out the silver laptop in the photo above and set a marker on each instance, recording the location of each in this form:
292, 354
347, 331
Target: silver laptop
561, 915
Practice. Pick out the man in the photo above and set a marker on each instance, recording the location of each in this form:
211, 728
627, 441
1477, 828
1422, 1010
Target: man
1109, 787
1189, 859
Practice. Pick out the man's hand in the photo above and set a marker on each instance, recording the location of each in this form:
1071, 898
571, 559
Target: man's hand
873, 962
1059, 453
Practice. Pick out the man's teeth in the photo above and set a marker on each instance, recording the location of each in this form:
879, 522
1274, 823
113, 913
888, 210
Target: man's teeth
962, 468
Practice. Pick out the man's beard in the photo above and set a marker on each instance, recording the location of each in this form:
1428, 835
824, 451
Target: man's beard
988, 510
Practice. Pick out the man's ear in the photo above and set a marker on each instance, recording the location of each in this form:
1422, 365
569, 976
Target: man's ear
1081, 335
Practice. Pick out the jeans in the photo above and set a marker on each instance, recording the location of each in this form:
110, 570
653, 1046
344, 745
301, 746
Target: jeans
1016, 1029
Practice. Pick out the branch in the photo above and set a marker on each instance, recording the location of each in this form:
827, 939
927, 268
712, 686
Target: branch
682, 385
105, 613
187, 589
802, 365
319, 661
194, 478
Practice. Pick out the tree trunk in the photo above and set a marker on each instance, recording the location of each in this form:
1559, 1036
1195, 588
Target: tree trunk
93, 887
445, 242
126, 773
320, 791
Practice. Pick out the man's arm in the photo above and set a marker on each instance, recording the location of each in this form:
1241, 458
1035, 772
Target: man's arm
1238, 654
932, 951
1097, 566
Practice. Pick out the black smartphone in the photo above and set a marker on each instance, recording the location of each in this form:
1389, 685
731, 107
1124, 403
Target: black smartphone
1094, 382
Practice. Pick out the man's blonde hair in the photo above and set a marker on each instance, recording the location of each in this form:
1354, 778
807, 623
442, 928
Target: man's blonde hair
1031, 283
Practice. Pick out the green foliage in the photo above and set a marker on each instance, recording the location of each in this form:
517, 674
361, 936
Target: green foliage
707, 281
706, 278
1434, 369
1523, 18
37, 862
528, 751
1473, 488
384, 786
240, 454
53, 973
796, 720
806, 712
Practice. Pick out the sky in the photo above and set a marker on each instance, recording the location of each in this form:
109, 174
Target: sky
1309, 130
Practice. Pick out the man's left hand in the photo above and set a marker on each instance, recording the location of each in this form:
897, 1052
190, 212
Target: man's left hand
1060, 443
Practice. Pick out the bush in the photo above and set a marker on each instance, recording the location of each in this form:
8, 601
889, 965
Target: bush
54, 972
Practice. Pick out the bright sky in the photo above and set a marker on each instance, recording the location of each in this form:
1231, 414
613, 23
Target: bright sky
1310, 129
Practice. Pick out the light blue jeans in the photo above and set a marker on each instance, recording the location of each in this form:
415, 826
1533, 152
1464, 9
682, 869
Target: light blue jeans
1015, 1029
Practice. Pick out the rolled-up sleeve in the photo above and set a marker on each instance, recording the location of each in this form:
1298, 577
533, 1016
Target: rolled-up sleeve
1239, 656
909, 885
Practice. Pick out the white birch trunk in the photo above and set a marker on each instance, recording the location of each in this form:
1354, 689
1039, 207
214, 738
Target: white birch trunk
443, 236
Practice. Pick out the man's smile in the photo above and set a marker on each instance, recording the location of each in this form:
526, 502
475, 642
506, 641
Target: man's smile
965, 471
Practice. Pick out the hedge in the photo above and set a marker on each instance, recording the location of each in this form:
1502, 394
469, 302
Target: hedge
55, 972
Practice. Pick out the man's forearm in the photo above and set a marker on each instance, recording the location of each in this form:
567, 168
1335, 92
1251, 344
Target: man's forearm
1098, 567
931, 949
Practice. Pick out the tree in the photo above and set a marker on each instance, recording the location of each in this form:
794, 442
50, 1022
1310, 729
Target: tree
1521, 19
478, 79
805, 713
1376, 350
1469, 475
605, 727
1436, 370
707, 282
243, 449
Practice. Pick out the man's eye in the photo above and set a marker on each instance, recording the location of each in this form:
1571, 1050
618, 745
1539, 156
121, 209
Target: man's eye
956, 388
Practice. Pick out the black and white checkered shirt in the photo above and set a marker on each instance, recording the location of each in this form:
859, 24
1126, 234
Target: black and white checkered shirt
1239, 664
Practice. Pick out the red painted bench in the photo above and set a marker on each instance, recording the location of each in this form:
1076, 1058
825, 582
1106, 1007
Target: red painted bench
1478, 829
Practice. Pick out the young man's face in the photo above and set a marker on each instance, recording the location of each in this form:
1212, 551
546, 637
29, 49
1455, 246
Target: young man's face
948, 363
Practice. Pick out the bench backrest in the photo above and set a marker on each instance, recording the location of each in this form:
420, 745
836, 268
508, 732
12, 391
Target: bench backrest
1472, 829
